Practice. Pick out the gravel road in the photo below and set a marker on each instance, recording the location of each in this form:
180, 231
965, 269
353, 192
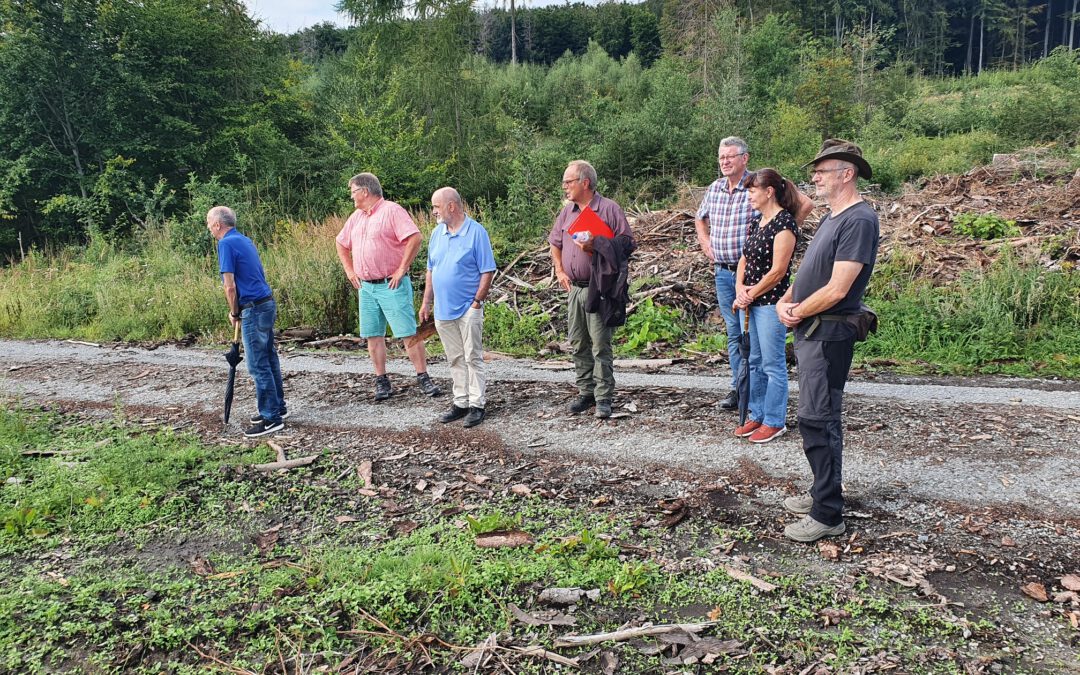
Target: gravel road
980, 442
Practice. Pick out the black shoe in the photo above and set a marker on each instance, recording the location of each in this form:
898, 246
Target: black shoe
264, 428
426, 385
455, 413
603, 409
582, 404
475, 416
382, 388
731, 401
256, 418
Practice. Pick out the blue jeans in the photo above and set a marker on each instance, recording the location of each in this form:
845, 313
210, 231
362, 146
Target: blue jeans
262, 359
768, 367
725, 296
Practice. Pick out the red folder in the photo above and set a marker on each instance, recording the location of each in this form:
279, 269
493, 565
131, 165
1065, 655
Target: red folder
590, 222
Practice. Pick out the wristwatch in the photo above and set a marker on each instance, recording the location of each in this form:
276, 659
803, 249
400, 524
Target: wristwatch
478, 301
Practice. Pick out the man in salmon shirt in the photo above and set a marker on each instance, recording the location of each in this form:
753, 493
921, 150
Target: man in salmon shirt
376, 246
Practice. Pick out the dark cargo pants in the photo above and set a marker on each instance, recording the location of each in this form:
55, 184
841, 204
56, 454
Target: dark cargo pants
591, 341
823, 371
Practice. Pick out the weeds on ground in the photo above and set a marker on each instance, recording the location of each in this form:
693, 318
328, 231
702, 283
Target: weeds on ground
1013, 319
984, 226
92, 481
649, 324
339, 590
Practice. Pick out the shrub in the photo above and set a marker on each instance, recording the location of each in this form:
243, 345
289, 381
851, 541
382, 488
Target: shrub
915, 156
793, 139
984, 226
515, 332
649, 323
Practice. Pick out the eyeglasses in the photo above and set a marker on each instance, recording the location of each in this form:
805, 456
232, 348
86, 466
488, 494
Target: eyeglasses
730, 158
815, 172
572, 180
354, 190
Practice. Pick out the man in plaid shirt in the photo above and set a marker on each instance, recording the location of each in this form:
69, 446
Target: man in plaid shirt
721, 223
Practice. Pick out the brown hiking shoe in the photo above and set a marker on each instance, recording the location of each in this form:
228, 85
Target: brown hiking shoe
800, 504
808, 530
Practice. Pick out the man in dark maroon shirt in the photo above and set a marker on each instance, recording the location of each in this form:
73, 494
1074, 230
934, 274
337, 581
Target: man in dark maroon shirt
589, 336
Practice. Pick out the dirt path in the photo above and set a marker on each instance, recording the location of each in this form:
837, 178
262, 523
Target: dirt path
1009, 444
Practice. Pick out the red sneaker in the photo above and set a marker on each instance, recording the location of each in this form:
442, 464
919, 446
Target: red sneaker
765, 433
747, 429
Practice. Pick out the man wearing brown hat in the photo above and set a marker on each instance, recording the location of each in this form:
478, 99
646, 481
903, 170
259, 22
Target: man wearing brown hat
827, 292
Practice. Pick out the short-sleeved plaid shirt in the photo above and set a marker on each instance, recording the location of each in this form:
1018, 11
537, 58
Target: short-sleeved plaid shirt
729, 215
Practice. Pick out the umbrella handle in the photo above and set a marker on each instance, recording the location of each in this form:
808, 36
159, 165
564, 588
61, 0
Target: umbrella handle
236, 333
746, 320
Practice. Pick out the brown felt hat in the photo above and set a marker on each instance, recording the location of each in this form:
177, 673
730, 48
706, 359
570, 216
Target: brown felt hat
834, 148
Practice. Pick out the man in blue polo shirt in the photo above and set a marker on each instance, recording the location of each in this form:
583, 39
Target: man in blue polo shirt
251, 303
459, 273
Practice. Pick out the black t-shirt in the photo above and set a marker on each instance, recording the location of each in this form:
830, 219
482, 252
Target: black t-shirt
851, 236
758, 251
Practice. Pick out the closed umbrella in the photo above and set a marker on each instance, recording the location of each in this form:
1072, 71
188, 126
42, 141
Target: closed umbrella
233, 358
742, 383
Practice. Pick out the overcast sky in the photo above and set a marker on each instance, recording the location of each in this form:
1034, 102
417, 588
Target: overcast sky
289, 16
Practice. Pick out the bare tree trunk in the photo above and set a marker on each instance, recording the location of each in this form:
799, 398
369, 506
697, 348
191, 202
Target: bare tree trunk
513, 33
982, 37
1046, 31
1072, 24
1064, 28
1017, 43
971, 43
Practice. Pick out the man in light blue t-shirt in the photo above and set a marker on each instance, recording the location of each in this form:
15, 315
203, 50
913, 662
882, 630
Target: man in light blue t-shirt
460, 268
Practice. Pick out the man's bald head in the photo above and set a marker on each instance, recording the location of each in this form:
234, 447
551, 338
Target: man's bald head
448, 194
447, 207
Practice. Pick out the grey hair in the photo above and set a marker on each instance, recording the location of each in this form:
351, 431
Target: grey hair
734, 142
223, 215
369, 182
585, 171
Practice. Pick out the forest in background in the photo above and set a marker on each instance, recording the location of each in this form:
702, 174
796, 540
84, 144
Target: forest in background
118, 116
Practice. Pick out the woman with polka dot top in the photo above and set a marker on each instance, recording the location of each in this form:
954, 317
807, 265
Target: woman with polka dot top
762, 278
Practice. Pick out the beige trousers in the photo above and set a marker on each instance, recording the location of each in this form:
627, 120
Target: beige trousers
462, 340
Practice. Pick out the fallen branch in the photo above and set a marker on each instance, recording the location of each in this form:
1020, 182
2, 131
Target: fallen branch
50, 453
630, 634
287, 464
80, 342
279, 450
227, 666
330, 341
536, 650
763, 586
513, 262
926, 211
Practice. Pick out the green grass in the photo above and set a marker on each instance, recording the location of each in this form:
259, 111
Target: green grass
1014, 319
94, 481
68, 602
1017, 318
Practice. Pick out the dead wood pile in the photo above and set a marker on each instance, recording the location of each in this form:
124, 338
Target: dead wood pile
1044, 201
916, 228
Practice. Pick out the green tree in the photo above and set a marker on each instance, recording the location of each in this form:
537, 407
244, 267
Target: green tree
134, 90
826, 90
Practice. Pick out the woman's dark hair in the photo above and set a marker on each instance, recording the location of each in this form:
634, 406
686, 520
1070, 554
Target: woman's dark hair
787, 195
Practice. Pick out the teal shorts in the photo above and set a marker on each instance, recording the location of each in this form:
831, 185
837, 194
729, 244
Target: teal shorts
380, 306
